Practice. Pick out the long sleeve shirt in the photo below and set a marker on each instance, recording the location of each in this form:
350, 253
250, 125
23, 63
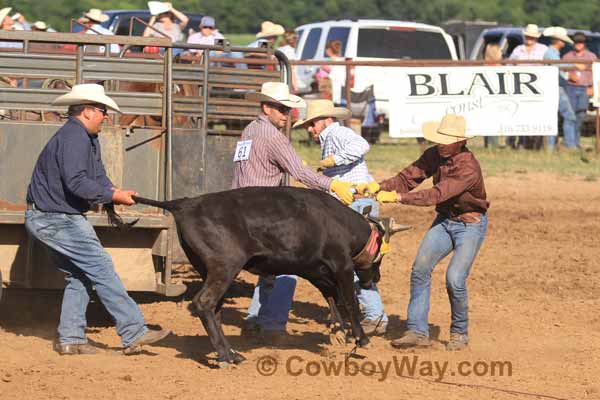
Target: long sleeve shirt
348, 150
69, 175
553, 54
271, 155
458, 183
586, 76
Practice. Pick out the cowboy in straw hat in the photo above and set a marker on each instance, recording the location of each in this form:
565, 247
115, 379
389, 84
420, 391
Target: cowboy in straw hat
459, 195
67, 179
261, 158
269, 32
92, 20
559, 40
343, 157
6, 22
39, 26
530, 49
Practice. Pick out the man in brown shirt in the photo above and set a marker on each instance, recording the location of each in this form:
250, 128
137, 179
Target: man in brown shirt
460, 226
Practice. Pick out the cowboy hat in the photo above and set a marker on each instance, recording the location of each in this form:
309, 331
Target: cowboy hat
4, 12
268, 29
96, 15
157, 7
40, 25
323, 109
450, 129
87, 93
558, 32
276, 92
532, 30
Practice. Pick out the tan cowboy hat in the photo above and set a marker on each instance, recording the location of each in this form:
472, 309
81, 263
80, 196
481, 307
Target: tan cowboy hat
532, 30
96, 15
450, 129
87, 93
4, 12
558, 32
323, 109
269, 28
276, 92
157, 7
40, 25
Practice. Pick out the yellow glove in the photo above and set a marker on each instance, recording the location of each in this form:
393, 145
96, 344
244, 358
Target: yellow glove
328, 162
388, 197
342, 190
370, 188
385, 247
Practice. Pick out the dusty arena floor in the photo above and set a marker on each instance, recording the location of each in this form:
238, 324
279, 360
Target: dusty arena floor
534, 312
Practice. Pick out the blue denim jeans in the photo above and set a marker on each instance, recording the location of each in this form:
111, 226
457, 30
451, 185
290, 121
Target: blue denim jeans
273, 296
443, 237
569, 120
579, 103
78, 253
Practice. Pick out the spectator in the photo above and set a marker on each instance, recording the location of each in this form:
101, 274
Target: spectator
6, 24
20, 23
269, 32
288, 47
493, 54
579, 85
207, 35
92, 21
163, 19
559, 39
39, 26
332, 78
530, 50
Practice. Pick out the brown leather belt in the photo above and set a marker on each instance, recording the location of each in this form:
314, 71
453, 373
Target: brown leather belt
468, 217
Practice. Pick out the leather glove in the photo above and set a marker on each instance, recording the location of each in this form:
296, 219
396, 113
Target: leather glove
370, 188
342, 190
328, 162
388, 197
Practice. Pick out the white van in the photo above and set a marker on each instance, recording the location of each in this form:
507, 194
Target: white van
366, 39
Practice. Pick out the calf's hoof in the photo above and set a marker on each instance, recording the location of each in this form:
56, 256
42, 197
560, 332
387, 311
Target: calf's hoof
363, 342
337, 337
232, 359
237, 357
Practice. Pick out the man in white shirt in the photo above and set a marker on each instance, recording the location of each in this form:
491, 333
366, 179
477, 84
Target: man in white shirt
93, 19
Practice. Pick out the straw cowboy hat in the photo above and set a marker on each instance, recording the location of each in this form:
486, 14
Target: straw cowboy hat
532, 30
157, 7
558, 32
96, 15
323, 109
450, 129
4, 12
87, 93
268, 29
40, 25
276, 92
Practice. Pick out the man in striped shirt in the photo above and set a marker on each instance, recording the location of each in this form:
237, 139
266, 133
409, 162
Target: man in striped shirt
343, 157
262, 156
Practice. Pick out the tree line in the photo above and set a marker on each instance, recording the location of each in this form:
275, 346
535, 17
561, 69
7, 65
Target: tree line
235, 16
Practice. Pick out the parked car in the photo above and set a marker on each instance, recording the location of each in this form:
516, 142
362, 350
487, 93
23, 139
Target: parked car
465, 34
364, 39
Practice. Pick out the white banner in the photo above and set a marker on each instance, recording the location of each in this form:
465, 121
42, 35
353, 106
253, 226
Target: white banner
495, 100
596, 80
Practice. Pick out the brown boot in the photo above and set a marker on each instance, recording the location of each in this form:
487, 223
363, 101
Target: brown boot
458, 341
411, 339
74, 349
148, 338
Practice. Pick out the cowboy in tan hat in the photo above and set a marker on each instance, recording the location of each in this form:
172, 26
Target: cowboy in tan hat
343, 157
93, 20
68, 178
6, 22
459, 195
261, 158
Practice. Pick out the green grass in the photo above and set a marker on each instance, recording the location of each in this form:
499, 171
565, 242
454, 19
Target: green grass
240, 39
392, 155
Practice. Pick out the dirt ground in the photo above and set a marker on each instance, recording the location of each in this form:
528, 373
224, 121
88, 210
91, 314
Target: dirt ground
534, 306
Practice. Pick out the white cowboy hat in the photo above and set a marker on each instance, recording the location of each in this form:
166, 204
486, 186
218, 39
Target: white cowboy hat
450, 129
268, 29
96, 15
87, 93
276, 92
157, 7
40, 25
16, 16
323, 109
4, 12
532, 30
558, 32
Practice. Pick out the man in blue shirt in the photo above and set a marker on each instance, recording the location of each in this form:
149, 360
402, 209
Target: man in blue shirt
69, 177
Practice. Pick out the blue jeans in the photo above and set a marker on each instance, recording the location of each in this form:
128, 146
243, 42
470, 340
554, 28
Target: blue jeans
78, 253
579, 103
273, 296
569, 120
444, 236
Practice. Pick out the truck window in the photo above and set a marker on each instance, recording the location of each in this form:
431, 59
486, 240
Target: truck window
311, 44
138, 27
400, 43
338, 33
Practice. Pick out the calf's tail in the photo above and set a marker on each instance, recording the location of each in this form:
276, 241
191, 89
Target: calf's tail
165, 205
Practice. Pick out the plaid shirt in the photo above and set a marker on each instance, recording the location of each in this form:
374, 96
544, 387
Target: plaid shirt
348, 150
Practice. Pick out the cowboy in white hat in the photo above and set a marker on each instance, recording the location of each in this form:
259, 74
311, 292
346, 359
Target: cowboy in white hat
269, 32
39, 26
459, 195
6, 22
67, 179
559, 39
343, 157
262, 156
93, 20
530, 49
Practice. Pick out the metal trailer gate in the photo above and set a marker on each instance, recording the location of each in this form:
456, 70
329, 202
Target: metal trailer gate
163, 162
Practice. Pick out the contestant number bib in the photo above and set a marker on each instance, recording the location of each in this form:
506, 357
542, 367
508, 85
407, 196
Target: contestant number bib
242, 150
